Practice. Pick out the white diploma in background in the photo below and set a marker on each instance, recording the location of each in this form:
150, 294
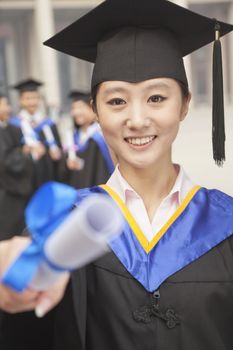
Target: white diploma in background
80, 239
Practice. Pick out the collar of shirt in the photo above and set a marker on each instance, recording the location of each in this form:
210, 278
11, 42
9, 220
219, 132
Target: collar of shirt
34, 119
181, 187
137, 208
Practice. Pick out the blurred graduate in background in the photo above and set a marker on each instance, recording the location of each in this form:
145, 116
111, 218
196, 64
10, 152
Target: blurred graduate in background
16, 171
30, 154
88, 157
39, 133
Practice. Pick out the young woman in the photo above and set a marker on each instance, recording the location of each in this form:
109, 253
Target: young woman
167, 282
88, 159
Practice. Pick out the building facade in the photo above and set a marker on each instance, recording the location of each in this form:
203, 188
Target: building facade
25, 24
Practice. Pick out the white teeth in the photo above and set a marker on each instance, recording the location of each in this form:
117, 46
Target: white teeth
140, 141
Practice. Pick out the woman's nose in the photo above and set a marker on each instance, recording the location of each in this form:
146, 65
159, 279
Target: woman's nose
138, 120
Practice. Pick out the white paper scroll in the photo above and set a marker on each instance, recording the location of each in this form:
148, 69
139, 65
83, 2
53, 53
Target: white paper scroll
49, 137
82, 238
29, 134
69, 144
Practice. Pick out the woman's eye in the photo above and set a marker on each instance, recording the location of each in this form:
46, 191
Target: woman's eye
156, 99
116, 102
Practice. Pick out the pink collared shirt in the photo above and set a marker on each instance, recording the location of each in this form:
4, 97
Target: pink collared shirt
137, 208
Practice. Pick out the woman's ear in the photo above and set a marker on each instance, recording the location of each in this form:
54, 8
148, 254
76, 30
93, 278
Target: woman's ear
185, 107
92, 106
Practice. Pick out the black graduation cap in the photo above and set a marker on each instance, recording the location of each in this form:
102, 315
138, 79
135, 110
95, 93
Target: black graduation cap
76, 95
133, 41
27, 85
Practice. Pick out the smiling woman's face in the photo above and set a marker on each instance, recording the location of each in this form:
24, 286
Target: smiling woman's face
82, 113
140, 121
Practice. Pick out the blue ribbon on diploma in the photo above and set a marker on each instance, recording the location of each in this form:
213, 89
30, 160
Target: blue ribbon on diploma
48, 208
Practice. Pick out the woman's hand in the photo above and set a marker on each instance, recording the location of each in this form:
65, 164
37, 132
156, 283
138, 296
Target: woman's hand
26, 149
38, 151
13, 302
47, 300
55, 153
75, 164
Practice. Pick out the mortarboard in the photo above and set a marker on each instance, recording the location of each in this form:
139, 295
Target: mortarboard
76, 95
133, 41
27, 85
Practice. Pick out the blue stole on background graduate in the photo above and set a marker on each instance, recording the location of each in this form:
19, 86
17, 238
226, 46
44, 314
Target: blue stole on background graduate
98, 138
40, 127
201, 222
16, 121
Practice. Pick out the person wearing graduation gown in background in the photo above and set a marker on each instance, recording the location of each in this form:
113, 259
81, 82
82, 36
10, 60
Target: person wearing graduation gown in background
16, 171
167, 281
26, 163
88, 157
39, 131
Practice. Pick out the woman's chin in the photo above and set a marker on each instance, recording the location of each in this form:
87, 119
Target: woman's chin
140, 164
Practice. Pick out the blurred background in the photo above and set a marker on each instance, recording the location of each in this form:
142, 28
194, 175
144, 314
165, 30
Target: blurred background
25, 24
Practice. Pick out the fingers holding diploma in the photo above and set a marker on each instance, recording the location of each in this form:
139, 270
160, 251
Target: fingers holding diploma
80, 239
10, 301
48, 299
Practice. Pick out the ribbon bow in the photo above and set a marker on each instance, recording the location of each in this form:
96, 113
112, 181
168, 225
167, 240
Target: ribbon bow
47, 209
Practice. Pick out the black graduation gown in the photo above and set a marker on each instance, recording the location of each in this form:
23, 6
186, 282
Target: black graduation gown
199, 298
23, 331
16, 172
94, 172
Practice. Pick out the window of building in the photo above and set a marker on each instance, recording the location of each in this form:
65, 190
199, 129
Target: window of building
73, 73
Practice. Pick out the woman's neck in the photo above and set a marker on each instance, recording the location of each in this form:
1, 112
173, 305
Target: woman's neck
84, 128
152, 184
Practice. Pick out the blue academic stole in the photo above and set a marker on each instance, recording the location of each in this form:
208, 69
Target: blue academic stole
98, 138
16, 121
44, 122
202, 221
40, 127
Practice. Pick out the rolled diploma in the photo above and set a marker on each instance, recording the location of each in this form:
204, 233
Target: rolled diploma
69, 143
80, 239
49, 137
29, 134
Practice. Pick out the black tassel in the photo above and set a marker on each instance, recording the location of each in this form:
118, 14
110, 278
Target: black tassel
218, 126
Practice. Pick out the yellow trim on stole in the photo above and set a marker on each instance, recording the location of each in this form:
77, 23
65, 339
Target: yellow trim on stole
149, 245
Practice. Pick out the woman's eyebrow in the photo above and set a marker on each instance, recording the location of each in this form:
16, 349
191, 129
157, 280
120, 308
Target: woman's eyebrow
159, 85
112, 90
